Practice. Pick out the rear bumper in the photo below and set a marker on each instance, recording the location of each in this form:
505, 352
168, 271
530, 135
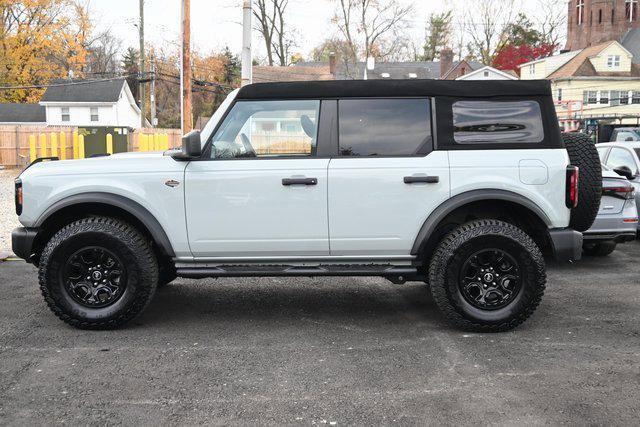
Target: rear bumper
617, 237
566, 243
22, 242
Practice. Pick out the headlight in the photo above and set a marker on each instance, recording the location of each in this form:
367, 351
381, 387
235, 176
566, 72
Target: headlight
18, 197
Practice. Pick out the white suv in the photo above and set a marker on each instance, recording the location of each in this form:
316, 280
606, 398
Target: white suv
463, 185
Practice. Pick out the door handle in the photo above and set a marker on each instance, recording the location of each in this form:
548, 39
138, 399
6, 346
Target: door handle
299, 181
424, 179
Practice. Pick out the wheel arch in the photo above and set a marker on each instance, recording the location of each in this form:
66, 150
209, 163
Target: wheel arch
476, 203
108, 204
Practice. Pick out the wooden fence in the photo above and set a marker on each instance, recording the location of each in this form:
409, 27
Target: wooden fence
14, 141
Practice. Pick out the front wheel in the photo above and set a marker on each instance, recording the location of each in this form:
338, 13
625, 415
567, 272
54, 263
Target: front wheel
98, 273
487, 276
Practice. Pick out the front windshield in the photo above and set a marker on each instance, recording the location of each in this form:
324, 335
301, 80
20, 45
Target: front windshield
217, 116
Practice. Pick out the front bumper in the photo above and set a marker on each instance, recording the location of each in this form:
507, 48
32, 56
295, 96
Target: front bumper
566, 244
22, 242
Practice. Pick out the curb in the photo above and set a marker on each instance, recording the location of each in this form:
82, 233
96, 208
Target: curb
7, 256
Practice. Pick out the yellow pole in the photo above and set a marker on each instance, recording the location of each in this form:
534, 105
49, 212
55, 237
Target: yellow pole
54, 144
109, 143
43, 145
81, 146
33, 150
143, 142
165, 136
63, 146
152, 143
75, 145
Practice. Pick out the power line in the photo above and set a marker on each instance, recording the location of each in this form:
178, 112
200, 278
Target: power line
76, 83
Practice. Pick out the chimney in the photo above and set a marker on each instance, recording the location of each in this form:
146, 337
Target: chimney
332, 63
446, 61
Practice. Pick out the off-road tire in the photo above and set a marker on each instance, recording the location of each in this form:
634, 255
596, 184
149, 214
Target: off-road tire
599, 249
449, 258
583, 154
122, 239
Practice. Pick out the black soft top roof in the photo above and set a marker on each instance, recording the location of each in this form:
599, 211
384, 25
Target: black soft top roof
391, 88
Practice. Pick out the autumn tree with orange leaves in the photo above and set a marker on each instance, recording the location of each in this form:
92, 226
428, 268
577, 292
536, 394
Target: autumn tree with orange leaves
40, 40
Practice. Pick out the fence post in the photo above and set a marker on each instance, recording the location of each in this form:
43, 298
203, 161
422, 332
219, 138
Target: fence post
81, 146
54, 144
33, 150
165, 136
109, 143
63, 146
43, 145
76, 152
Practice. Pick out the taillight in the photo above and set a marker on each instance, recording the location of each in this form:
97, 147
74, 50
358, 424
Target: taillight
18, 197
571, 198
620, 190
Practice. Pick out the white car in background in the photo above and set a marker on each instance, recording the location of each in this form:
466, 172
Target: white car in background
624, 159
617, 220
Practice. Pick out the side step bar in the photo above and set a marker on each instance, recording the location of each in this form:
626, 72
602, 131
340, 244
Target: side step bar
402, 273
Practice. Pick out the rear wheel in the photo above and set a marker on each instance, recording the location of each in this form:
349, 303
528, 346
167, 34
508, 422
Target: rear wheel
599, 249
98, 273
487, 275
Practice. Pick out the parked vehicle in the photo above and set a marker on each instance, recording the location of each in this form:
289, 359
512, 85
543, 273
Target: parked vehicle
629, 134
464, 185
624, 159
617, 220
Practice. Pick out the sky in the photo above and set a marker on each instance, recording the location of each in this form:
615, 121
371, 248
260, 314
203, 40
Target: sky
216, 23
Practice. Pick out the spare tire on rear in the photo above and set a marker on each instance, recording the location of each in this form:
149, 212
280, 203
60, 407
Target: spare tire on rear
583, 154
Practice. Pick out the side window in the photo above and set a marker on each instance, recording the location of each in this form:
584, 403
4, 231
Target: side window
619, 157
623, 136
268, 129
384, 127
602, 152
497, 122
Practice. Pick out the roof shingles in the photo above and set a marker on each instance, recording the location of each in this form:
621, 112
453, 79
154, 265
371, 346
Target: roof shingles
107, 91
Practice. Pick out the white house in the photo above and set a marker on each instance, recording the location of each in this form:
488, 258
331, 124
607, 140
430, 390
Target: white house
91, 103
488, 73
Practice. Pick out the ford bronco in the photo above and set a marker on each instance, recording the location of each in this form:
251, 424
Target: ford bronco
463, 185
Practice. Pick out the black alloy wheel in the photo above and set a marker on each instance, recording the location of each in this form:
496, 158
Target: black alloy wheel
490, 279
94, 277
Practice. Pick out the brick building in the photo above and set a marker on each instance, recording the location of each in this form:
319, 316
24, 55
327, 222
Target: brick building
592, 22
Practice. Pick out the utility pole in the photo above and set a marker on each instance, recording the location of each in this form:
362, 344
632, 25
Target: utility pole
185, 74
142, 66
246, 42
153, 93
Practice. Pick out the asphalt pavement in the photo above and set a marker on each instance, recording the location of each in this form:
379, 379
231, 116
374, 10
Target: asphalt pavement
327, 351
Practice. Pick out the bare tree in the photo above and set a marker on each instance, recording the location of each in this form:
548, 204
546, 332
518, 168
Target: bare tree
371, 27
485, 21
271, 23
552, 21
104, 54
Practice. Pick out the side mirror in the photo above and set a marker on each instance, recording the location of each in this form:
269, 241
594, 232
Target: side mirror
191, 144
624, 171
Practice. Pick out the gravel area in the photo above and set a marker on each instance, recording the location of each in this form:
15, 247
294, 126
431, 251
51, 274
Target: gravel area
8, 218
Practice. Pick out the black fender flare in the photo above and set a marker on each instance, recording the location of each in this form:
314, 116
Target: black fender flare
132, 207
462, 199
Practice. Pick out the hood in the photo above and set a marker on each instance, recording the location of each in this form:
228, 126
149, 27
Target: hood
139, 162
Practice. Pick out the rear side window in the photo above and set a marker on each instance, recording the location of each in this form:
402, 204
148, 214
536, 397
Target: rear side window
495, 122
385, 127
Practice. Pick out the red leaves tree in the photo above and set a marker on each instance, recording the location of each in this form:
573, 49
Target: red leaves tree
511, 56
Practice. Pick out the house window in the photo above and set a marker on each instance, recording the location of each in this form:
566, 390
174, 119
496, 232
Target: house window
635, 97
559, 94
66, 116
604, 97
624, 97
580, 12
600, 16
592, 97
613, 61
532, 69
486, 74
94, 115
631, 10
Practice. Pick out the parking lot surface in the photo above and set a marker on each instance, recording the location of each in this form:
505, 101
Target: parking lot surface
335, 351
